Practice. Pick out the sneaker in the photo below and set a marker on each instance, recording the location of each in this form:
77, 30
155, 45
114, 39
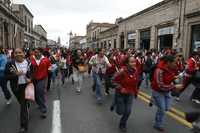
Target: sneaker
43, 115
150, 104
99, 101
22, 130
177, 99
112, 108
124, 130
78, 91
107, 93
8, 102
160, 129
196, 101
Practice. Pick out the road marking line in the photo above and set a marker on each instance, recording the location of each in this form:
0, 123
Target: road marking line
171, 114
172, 109
56, 123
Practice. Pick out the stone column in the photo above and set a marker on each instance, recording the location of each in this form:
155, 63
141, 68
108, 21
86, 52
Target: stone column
153, 37
137, 41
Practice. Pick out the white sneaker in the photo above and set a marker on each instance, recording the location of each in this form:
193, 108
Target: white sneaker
177, 99
196, 101
9, 101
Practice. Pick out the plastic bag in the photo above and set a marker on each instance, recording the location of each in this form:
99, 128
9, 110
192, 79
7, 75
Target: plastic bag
30, 92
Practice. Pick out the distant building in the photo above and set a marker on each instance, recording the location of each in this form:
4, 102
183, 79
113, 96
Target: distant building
27, 17
108, 38
83, 43
40, 36
93, 32
74, 42
11, 27
52, 44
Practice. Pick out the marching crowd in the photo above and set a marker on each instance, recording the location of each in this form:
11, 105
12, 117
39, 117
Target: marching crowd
166, 72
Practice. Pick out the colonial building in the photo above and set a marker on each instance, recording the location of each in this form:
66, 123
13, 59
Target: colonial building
51, 44
93, 33
168, 24
83, 43
40, 36
108, 38
11, 27
74, 42
27, 17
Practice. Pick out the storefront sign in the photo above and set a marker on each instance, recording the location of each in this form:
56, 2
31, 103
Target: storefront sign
131, 36
166, 31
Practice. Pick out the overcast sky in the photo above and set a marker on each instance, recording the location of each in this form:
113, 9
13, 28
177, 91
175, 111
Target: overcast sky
59, 17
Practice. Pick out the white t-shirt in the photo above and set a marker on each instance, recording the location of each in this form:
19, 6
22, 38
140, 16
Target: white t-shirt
63, 61
101, 63
22, 67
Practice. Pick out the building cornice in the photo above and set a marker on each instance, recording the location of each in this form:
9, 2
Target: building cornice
10, 14
147, 10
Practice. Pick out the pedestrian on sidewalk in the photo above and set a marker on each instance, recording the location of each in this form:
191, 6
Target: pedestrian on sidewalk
3, 83
41, 65
126, 81
19, 73
162, 85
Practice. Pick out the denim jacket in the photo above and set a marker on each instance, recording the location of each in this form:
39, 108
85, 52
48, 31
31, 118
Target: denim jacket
3, 62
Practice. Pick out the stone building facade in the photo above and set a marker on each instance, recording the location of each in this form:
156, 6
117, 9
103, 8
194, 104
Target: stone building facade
11, 27
27, 17
108, 38
83, 43
74, 42
40, 36
168, 24
93, 33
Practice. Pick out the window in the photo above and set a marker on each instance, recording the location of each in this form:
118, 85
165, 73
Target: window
115, 43
26, 23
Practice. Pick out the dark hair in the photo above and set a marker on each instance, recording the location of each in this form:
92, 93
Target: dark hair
127, 59
193, 54
1, 50
168, 58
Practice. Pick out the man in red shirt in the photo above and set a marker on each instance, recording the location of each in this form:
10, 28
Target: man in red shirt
41, 66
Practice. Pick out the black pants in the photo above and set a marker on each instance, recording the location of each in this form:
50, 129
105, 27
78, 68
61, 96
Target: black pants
3, 85
196, 94
49, 81
108, 82
24, 111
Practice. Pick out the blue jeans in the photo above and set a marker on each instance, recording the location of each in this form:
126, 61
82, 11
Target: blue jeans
124, 102
162, 101
3, 85
97, 82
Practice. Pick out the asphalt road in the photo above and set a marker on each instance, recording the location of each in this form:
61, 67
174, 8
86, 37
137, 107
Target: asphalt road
81, 114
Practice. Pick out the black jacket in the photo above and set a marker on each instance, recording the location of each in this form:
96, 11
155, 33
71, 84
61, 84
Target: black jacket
12, 77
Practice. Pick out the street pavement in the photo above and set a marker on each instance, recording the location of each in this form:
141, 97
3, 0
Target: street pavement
81, 114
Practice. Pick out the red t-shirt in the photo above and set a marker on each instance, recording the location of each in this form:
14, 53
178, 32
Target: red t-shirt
40, 71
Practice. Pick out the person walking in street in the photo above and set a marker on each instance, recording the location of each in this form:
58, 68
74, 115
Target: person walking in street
126, 81
19, 73
54, 59
99, 64
3, 83
41, 65
162, 84
79, 67
64, 68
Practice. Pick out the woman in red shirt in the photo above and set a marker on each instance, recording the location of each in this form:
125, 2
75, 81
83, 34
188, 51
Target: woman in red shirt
162, 84
127, 82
